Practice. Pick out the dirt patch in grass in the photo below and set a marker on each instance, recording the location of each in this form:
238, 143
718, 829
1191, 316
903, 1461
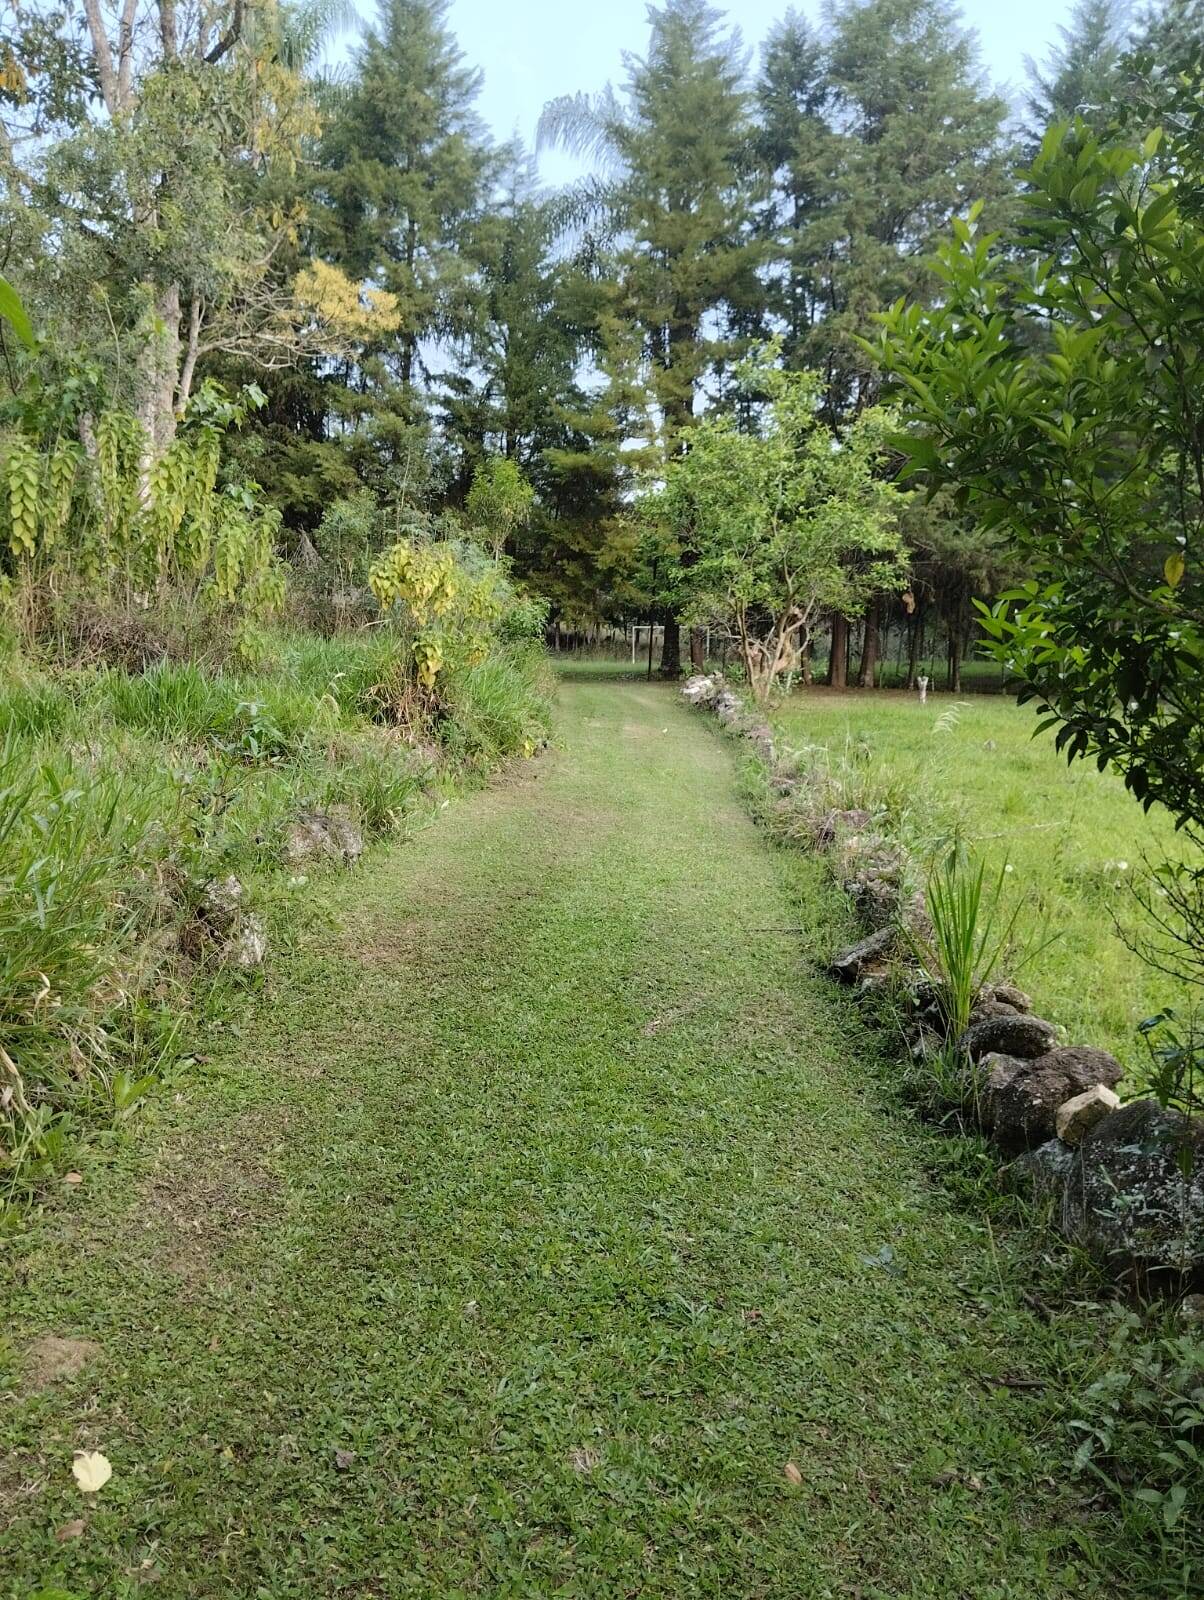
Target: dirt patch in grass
208, 1189
52, 1358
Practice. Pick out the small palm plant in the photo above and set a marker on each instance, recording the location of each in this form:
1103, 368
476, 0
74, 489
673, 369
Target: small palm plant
971, 932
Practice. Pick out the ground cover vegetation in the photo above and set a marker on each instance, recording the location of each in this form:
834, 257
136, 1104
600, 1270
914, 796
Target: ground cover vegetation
480, 1258
318, 416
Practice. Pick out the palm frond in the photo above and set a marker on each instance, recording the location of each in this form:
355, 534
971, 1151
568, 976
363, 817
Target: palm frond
308, 25
591, 207
584, 125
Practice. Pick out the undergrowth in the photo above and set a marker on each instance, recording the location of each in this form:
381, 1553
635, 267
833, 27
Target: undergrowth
123, 795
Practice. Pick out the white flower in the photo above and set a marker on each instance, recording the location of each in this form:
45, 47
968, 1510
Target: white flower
1009, 867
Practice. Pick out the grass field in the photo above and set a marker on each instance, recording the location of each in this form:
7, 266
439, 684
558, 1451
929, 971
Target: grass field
549, 1229
1073, 836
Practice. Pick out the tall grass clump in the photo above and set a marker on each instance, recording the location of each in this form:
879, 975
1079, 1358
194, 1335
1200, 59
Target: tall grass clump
73, 846
32, 706
496, 708
971, 931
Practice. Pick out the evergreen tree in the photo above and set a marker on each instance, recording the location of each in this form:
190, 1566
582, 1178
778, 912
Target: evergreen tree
409, 168
517, 367
795, 143
681, 204
1168, 29
920, 140
1082, 74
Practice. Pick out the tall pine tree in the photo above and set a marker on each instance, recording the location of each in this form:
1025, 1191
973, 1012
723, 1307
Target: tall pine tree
409, 167
680, 200
1081, 74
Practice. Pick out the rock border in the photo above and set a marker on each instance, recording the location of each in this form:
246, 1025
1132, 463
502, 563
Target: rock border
1114, 1173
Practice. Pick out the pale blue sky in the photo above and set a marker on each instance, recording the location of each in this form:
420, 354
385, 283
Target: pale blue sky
533, 50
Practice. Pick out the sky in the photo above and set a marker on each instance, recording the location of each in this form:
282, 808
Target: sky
532, 50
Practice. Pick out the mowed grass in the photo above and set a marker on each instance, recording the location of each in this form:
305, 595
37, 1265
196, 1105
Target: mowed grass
547, 1231
1075, 839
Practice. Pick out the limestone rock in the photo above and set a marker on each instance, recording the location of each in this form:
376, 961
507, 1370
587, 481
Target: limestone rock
247, 948
1022, 1097
329, 834
760, 734
728, 708
1011, 1035
1076, 1117
864, 956
221, 903
1134, 1195
700, 690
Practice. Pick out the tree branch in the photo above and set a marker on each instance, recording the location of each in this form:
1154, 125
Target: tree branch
228, 39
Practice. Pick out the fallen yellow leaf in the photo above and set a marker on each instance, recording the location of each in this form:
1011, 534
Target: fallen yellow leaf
91, 1470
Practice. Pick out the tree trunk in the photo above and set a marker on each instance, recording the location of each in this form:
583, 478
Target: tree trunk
805, 664
867, 672
915, 647
955, 659
838, 661
671, 649
698, 649
158, 378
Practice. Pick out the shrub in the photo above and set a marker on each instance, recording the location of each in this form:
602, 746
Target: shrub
495, 708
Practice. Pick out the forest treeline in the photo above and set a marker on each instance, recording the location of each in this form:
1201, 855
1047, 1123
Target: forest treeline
192, 198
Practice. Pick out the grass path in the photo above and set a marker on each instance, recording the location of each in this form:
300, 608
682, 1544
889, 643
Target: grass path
543, 1213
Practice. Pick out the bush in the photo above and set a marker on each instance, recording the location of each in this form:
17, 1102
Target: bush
497, 708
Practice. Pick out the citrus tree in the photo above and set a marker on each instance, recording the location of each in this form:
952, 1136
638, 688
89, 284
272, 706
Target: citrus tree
1056, 392
785, 521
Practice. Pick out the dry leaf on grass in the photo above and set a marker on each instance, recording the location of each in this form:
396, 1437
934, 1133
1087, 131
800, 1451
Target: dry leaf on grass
70, 1530
91, 1470
792, 1474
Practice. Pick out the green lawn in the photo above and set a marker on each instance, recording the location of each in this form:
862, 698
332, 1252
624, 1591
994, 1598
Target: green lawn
547, 1230
1074, 837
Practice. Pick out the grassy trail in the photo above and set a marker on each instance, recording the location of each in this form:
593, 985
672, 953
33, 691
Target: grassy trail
543, 1213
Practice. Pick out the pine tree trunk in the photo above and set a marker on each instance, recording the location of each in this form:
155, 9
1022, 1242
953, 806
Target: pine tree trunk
915, 647
868, 671
838, 661
955, 659
671, 649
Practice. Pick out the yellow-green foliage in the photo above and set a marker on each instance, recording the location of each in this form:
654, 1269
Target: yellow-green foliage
110, 517
450, 606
